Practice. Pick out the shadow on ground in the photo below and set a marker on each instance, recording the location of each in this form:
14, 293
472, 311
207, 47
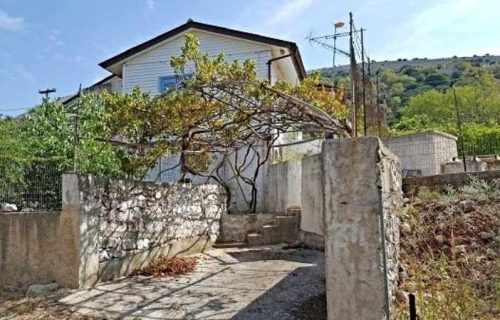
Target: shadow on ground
263, 283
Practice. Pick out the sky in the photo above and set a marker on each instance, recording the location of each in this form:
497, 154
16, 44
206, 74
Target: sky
59, 43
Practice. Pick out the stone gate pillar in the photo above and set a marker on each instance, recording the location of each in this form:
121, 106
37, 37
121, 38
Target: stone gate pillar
362, 197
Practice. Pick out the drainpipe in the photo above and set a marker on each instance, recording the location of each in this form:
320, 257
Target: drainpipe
269, 63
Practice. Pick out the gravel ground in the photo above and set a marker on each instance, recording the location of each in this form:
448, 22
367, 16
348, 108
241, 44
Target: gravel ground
257, 283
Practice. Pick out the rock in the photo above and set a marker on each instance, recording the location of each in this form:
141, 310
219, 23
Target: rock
37, 290
27, 210
440, 239
123, 206
103, 255
497, 239
402, 296
462, 249
491, 253
403, 275
406, 200
467, 205
406, 228
143, 244
8, 207
487, 235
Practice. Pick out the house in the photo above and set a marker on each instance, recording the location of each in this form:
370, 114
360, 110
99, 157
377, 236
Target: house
147, 65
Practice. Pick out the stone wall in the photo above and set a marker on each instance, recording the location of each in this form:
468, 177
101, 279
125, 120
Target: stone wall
411, 185
235, 227
457, 166
423, 152
137, 221
362, 194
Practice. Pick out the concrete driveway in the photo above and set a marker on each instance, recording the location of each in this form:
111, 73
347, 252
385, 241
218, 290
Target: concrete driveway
257, 283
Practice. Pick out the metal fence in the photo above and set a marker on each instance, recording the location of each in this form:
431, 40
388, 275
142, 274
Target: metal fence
28, 186
488, 145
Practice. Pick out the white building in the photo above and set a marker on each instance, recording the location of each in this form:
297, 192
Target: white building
147, 65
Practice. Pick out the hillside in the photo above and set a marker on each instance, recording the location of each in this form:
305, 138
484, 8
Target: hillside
410, 89
445, 65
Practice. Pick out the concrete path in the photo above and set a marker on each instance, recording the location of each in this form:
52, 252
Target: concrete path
257, 283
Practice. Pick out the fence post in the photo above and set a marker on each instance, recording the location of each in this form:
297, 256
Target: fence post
413, 307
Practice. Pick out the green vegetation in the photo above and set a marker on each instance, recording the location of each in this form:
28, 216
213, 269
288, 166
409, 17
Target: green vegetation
422, 98
449, 253
217, 109
46, 134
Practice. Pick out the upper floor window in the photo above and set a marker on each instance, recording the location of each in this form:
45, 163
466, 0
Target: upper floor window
168, 82
171, 82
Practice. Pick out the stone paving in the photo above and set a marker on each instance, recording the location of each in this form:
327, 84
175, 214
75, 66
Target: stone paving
255, 283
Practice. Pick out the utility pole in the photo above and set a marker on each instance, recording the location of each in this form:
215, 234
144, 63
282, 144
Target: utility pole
46, 93
377, 84
353, 76
459, 125
363, 80
76, 137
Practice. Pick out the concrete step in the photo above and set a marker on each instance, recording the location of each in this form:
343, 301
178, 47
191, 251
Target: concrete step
229, 244
288, 228
255, 239
271, 234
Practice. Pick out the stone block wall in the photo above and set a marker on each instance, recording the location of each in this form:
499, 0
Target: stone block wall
235, 227
362, 198
137, 221
424, 152
412, 185
134, 216
457, 166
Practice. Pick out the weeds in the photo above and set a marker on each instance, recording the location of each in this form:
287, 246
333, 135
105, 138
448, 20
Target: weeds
450, 252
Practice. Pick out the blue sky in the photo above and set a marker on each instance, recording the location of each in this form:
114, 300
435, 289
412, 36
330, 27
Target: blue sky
59, 43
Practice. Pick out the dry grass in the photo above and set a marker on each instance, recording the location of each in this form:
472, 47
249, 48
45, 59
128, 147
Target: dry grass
163, 266
450, 253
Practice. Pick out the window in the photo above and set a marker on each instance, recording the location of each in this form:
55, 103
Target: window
167, 83
171, 82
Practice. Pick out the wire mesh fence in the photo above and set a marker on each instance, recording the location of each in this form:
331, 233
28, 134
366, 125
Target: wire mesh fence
489, 145
27, 186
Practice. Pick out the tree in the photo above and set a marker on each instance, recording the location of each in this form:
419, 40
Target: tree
49, 132
221, 116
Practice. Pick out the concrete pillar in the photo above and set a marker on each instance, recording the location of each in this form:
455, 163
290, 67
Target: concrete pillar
78, 238
362, 194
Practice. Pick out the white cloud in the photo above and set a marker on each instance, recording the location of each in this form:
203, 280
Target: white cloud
10, 23
290, 10
151, 4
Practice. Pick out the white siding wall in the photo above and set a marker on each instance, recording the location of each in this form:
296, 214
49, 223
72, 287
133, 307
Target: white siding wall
116, 84
144, 70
